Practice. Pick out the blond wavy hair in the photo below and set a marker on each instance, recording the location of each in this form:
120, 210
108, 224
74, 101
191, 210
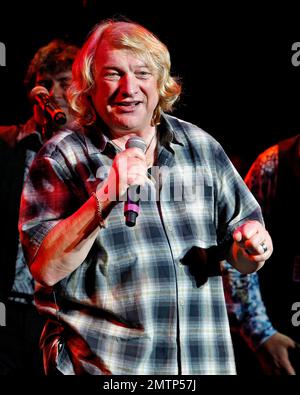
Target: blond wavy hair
129, 36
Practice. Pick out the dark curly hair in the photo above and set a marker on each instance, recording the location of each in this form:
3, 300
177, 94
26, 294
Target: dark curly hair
53, 58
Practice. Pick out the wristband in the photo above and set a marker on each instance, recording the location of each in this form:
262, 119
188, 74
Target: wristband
99, 211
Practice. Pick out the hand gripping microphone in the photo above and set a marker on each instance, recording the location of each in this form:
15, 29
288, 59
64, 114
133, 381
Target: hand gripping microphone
131, 206
40, 96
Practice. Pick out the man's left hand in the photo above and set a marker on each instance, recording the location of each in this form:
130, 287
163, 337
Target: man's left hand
252, 244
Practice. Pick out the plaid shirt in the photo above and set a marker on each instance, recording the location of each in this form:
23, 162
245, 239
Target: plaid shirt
23, 286
147, 299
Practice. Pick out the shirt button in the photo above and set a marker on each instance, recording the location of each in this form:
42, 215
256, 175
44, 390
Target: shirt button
60, 345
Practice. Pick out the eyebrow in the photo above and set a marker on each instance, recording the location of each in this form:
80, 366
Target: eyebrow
64, 78
109, 67
105, 68
50, 79
117, 68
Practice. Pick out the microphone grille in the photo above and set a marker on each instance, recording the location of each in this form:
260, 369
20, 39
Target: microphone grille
37, 90
137, 142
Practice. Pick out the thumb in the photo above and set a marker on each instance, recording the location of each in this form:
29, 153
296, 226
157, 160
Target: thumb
287, 366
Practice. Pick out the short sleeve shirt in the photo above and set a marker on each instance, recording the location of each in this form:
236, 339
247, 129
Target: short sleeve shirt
147, 299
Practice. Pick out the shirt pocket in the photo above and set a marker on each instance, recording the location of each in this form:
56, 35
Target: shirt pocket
198, 211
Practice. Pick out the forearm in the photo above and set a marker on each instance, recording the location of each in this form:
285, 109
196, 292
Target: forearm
245, 306
256, 326
66, 246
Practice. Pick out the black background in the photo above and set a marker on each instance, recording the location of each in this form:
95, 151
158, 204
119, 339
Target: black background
234, 61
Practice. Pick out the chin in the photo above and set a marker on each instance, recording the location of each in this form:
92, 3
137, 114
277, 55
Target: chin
124, 126
126, 119
123, 129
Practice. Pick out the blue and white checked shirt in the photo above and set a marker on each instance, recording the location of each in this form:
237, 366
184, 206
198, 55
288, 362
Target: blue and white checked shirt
147, 299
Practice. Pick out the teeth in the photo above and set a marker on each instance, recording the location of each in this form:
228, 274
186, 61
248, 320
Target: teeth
128, 104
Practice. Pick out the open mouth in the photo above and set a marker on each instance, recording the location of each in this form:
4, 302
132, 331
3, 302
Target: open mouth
127, 107
127, 104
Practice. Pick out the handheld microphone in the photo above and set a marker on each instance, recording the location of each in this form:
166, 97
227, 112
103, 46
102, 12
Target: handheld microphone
131, 206
40, 96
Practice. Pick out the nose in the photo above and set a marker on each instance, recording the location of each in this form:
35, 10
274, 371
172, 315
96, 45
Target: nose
129, 86
56, 90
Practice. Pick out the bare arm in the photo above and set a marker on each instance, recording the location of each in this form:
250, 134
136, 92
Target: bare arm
68, 243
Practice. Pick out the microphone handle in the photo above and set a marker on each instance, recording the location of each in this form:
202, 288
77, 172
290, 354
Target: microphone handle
56, 114
131, 206
51, 109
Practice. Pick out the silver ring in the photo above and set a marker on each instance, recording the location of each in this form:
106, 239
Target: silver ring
264, 247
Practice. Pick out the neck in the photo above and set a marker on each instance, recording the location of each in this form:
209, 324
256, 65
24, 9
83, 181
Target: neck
148, 137
150, 140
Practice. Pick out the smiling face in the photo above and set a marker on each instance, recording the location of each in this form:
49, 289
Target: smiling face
125, 94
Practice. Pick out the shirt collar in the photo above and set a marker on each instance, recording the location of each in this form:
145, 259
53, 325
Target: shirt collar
168, 135
97, 140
